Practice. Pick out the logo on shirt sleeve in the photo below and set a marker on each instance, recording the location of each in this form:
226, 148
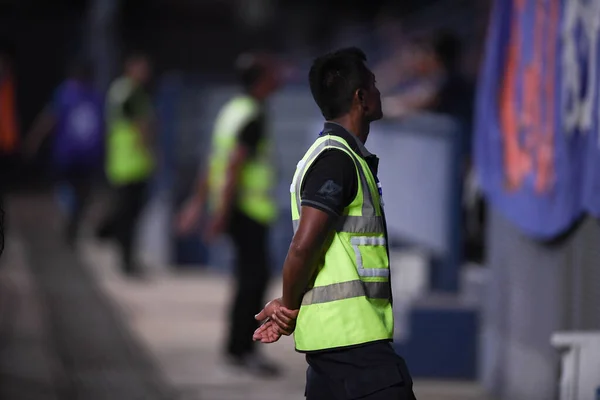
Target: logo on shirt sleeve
330, 191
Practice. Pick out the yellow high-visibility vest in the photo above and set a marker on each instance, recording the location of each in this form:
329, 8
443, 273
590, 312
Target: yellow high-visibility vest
127, 159
258, 178
349, 302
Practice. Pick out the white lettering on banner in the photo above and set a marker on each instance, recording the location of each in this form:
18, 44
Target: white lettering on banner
580, 32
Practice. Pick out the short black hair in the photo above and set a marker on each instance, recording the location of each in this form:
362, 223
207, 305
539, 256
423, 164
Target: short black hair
250, 69
335, 77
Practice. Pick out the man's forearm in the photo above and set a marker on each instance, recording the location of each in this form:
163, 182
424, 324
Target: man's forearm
298, 268
310, 240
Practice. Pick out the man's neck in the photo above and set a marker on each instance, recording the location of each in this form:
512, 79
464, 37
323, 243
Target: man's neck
360, 129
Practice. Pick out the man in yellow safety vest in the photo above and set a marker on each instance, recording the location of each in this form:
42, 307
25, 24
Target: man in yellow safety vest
130, 160
337, 296
238, 187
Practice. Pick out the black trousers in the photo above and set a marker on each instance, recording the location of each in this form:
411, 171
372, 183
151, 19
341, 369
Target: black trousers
252, 272
384, 382
121, 222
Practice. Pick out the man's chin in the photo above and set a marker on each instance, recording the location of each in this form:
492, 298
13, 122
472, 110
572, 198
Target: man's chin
376, 117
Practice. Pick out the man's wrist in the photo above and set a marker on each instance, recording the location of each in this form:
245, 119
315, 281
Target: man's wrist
288, 303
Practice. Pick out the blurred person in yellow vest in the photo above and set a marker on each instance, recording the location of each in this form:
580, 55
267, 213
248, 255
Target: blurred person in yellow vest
130, 161
337, 295
238, 189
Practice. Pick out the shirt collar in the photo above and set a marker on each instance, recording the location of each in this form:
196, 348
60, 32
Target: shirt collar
333, 128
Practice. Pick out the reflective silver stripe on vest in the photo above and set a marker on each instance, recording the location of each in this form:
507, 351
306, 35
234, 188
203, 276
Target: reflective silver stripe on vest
365, 271
354, 224
347, 290
369, 221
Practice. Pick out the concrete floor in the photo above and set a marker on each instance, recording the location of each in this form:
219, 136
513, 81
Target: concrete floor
72, 328
180, 319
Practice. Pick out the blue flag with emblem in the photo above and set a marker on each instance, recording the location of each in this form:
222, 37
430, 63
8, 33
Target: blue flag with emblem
537, 148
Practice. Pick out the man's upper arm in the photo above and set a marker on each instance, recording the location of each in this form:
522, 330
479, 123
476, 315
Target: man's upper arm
331, 183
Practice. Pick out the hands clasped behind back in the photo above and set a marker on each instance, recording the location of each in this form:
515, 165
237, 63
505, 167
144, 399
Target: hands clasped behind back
277, 321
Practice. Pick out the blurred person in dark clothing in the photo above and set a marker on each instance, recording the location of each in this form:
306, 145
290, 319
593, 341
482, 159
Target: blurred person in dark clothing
456, 94
75, 119
452, 92
456, 98
130, 160
238, 187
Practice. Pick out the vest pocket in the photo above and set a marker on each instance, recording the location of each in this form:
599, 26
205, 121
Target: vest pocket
371, 256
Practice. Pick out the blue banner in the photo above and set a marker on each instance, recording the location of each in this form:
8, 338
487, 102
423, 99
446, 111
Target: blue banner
537, 148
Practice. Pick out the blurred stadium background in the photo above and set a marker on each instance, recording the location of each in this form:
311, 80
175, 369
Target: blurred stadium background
483, 277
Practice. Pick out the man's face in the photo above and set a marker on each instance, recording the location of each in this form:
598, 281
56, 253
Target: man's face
373, 100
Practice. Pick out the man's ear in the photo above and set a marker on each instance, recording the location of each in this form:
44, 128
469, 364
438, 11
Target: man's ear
361, 97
